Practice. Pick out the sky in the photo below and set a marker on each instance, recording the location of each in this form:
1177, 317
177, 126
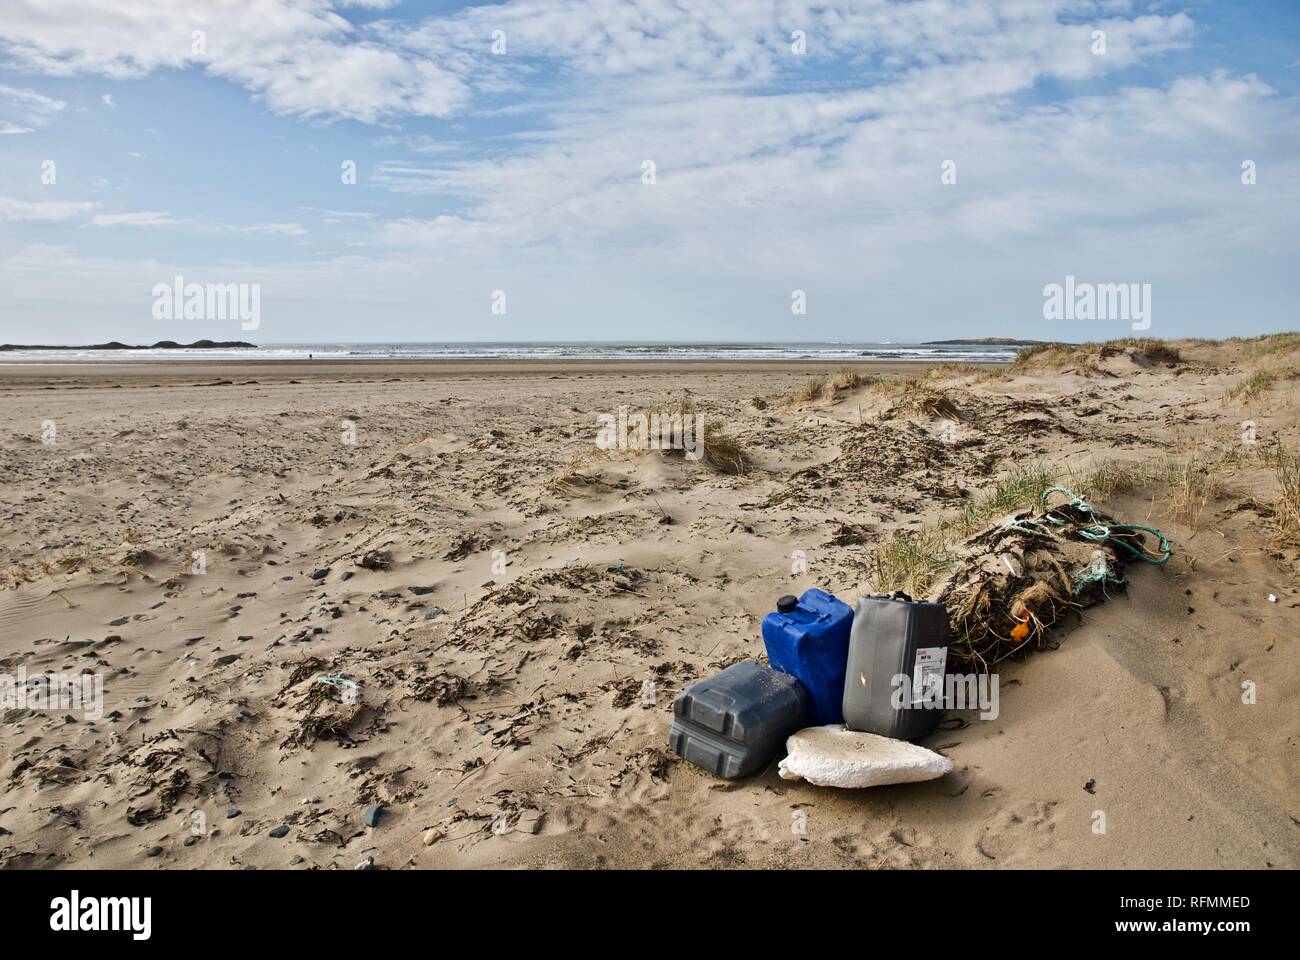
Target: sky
648, 170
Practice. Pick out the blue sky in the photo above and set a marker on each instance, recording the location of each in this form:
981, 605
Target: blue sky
521, 170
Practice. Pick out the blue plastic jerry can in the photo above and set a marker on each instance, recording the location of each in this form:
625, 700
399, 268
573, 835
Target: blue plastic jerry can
808, 638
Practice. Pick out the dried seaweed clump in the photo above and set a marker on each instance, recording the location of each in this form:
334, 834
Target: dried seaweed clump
329, 708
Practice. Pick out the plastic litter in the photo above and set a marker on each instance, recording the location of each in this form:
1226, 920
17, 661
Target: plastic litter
897, 661
808, 638
735, 722
833, 756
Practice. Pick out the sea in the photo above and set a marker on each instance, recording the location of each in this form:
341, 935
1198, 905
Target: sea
613, 351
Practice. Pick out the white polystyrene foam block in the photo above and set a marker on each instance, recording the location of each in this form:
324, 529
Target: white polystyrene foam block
835, 757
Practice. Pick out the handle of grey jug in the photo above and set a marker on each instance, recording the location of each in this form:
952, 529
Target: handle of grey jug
900, 595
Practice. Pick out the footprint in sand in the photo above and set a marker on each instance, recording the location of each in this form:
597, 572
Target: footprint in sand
1013, 831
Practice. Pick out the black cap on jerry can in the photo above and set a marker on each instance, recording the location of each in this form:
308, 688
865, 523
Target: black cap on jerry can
786, 604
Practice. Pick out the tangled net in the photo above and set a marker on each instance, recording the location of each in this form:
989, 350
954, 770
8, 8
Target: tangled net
1020, 577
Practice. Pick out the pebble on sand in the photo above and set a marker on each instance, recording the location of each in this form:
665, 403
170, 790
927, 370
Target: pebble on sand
279, 831
370, 816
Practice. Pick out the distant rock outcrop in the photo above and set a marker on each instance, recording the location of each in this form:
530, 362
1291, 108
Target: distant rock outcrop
986, 342
116, 345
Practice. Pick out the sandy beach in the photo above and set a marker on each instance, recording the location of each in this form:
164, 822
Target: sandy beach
507, 611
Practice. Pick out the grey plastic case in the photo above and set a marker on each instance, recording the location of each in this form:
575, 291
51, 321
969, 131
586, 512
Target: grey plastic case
894, 636
735, 722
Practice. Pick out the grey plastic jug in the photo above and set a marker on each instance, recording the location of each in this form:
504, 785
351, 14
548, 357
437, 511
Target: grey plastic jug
898, 652
735, 722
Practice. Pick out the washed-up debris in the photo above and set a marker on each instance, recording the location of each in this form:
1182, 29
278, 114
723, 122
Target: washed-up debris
1020, 577
808, 637
374, 560
833, 756
465, 545
331, 705
441, 688
340, 682
896, 633
733, 724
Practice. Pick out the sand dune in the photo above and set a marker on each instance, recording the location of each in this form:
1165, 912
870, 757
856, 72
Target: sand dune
508, 612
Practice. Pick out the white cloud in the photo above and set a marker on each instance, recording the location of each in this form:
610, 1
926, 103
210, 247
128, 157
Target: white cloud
107, 100
300, 56
342, 216
140, 218
13, 210
28, 109
271, 229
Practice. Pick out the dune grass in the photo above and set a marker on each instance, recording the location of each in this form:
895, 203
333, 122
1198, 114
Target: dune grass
722, 452
1273, 344
1053, 356
812, 389
912, 395
571, 480
1160, 351
1190, 485
1286, 509
1019, 489
1056, 356
914, 560
911, 561
1258, 383
846, 378
968, 371
825, 386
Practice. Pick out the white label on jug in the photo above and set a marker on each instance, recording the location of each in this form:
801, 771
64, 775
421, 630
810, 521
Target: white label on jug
927, 676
